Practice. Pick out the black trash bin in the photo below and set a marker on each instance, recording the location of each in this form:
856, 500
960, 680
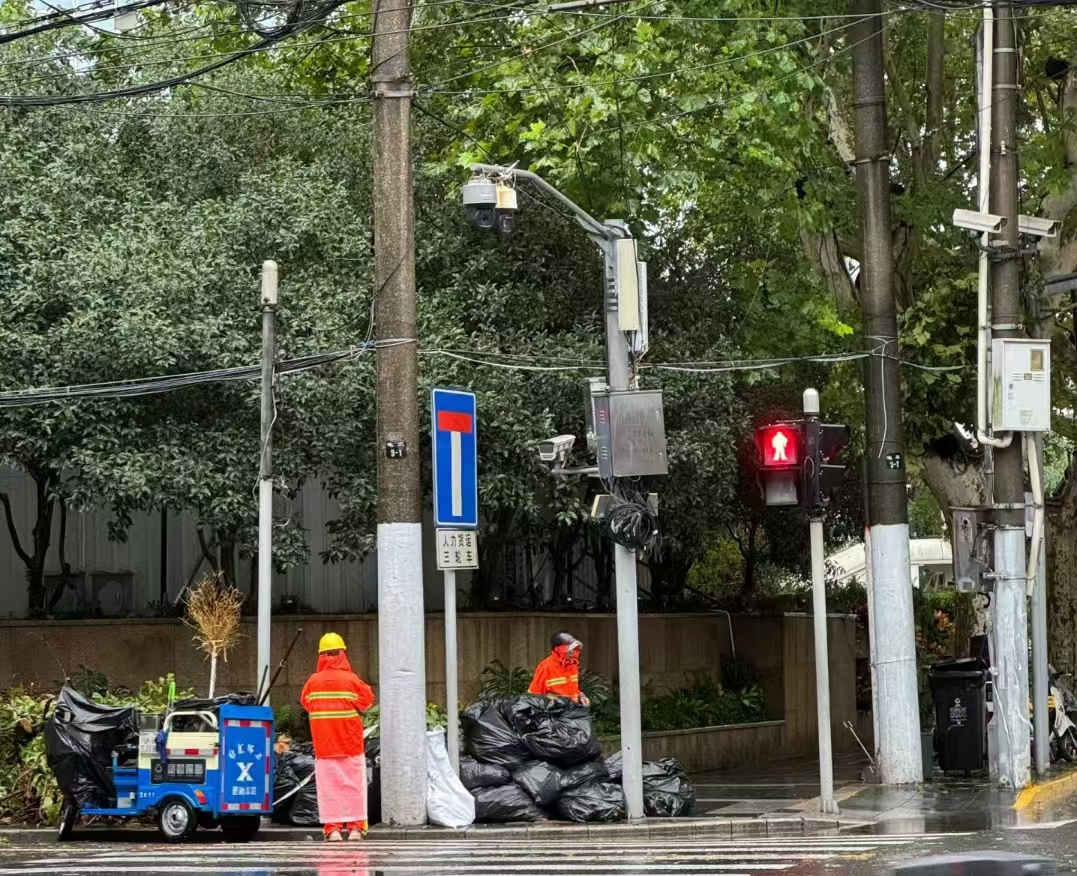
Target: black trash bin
958, 692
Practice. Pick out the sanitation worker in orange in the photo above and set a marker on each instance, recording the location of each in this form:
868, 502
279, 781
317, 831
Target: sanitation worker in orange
559, 674
334, 697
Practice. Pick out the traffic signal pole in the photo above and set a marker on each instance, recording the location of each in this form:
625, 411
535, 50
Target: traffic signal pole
895, 651
827, 804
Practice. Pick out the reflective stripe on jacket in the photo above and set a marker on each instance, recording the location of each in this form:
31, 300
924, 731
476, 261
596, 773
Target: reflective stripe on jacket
556, 677
333, 697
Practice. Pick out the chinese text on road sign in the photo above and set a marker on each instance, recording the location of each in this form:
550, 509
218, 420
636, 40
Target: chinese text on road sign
457, 549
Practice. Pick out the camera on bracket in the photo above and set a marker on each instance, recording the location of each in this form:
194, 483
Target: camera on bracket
490, 205
554, 451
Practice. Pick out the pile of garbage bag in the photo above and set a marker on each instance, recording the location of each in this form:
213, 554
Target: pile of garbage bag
295, 790
533, 758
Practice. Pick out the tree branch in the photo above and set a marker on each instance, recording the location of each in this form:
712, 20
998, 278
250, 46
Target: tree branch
936, 62
14, 532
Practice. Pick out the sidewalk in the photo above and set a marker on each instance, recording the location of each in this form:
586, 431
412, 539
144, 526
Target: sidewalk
944, 804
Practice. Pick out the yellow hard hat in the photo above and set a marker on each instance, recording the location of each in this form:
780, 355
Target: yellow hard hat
331, 642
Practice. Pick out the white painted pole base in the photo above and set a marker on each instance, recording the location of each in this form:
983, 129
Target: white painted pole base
452, 695
402, 673
900, 761
265, 579
1009, 660
628, 672
827, 804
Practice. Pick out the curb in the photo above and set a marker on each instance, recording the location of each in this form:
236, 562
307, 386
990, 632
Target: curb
651, 828
1048, 792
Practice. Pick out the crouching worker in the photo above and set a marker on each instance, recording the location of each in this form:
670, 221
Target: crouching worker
334, 696
559, 674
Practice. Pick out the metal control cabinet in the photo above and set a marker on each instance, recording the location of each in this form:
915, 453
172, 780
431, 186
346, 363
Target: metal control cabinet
1020, 385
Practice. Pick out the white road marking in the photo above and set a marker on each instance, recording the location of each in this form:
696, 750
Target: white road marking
727, 857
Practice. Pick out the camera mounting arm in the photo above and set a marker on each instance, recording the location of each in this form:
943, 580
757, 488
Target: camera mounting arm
589, 223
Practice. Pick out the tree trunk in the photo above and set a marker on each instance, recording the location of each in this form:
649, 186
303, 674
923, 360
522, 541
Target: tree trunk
1062, 587
45, 482
227, 540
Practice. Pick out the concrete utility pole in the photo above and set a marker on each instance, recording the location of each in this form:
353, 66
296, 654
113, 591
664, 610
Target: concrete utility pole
265, 473
895, 650
401, 666
1009, 629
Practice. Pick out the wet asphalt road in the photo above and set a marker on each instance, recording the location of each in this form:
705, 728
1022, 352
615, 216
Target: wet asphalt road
855, 852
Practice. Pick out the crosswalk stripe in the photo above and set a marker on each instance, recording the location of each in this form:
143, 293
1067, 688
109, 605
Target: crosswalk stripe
647, 857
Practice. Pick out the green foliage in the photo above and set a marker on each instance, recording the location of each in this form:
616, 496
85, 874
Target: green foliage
293, 722
704, 703
151, 698
435, 718
498, 681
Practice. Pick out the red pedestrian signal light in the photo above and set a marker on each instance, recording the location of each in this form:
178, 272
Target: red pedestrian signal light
779, 445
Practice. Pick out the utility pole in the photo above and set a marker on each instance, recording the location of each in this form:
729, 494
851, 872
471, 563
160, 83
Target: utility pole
895, 651
265, 473
827, 804
618, 359
401, 659
1009, 629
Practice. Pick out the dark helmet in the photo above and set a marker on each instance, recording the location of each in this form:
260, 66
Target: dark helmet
562, 639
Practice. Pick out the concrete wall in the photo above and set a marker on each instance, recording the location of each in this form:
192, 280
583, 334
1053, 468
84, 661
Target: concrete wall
707, 749
672, 649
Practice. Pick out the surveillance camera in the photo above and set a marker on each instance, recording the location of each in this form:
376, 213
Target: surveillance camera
489, 205
556, 449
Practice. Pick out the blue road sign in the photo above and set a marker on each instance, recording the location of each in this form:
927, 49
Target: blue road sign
456, 459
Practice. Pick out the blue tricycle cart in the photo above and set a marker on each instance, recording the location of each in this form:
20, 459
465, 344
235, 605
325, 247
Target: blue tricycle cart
206, 764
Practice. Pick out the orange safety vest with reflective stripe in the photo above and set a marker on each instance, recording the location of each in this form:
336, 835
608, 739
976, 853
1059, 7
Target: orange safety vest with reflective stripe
557, 677
334, 696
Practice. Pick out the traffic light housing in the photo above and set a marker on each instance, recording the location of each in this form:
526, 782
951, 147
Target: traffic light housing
780, 448
823, 476
798, 462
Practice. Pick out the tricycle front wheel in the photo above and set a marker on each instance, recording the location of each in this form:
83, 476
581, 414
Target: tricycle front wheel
68, 816
241, 828
176, 820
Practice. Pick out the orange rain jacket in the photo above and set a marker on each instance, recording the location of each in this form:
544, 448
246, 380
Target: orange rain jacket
334, 696
558, 675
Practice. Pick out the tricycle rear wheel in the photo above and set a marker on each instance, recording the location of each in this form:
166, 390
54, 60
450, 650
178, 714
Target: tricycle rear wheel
241, 828
176, 820
68, 816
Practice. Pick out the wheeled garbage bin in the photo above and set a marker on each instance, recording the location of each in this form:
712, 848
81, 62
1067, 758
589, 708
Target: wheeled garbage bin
958, 693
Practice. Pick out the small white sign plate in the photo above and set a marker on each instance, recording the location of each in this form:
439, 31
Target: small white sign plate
458, 549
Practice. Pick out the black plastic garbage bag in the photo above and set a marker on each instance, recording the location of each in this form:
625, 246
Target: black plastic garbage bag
240, 698
557, 731
542, 781
599, 801
667, 793
488, 736
79, 738
300, 806
507, 803
373, 793
615, 766
482, 775
583, 774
